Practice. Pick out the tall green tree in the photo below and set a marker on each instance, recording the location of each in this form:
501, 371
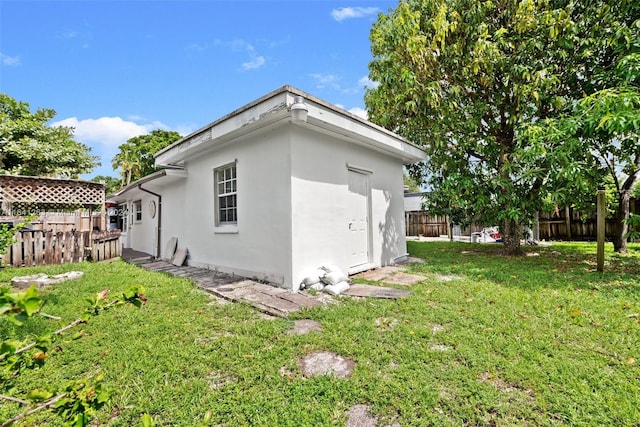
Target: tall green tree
135, 158
28, 146
466, 79
111, 183
603, 123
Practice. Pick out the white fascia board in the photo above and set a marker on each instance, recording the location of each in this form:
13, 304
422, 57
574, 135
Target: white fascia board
274, 109
365, 133
155, 180
240, 122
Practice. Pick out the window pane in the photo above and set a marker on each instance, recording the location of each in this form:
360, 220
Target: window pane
226, 200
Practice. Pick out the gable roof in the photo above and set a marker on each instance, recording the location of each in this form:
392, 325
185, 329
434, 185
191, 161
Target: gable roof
275, 107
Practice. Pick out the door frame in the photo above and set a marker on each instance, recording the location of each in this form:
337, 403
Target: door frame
366, 173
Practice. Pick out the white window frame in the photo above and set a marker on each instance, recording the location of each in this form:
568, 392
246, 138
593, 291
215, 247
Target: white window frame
137, 210
225, 194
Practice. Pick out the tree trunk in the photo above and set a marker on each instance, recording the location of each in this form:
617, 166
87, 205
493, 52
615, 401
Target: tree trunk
622, 227
511, 232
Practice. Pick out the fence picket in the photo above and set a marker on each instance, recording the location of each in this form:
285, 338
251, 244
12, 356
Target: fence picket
47, 247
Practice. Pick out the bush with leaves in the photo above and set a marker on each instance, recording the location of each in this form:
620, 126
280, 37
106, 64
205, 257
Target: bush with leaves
74, 401
7, 233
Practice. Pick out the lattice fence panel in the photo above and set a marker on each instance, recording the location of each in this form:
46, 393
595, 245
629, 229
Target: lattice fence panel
45, 193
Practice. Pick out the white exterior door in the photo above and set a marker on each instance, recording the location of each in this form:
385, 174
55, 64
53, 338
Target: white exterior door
358, 217
124, 223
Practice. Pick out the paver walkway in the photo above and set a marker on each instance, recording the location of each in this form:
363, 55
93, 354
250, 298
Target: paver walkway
279, 301
269, 299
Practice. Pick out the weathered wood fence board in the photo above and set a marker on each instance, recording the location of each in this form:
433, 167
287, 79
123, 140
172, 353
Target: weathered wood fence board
566, 224
33, 248
563, 224
420, 223
63, 221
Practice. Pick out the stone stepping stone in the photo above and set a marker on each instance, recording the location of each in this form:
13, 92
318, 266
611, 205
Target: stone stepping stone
269, 299
379, 273
305, 326
41, 279
403, 279
361, 290
359, 416
326, 363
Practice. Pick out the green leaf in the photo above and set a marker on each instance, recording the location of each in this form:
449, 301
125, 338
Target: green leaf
39, 395
147, 421
31, 305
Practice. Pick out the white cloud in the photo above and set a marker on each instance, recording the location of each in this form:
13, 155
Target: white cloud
197, 47
326, 79
367, 82
343, 13
360, 112
109, 131
11, 61
255, 63
69, 34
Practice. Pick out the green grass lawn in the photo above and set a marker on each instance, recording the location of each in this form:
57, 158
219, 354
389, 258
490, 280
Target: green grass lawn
483, 340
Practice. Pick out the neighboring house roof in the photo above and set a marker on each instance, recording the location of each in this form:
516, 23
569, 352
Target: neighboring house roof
161, 177
276, 107
413, 202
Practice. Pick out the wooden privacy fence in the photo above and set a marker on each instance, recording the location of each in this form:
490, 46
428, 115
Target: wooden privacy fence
420, 223
32, 248
563, 224
568, 225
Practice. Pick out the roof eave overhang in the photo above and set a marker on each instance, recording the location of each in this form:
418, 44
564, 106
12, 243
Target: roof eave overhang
275, 107
156, 179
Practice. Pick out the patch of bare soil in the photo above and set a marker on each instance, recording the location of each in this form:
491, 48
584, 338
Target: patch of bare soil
504, 386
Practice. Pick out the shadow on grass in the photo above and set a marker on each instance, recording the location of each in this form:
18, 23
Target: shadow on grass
560, 266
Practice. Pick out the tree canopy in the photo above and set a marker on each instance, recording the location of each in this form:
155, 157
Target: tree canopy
468, 80
28, 146
111, 183
135, 158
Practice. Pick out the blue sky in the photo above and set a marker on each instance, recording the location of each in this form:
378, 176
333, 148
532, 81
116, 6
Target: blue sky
118, 69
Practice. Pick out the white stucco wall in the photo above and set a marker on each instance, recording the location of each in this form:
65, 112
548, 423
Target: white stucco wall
320, 227
174, 214
261, 246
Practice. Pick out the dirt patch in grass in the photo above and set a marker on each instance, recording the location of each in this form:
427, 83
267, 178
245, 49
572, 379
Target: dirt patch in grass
504, 386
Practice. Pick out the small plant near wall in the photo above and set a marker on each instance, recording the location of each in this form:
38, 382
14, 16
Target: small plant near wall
74, 401
7, 233
634, 227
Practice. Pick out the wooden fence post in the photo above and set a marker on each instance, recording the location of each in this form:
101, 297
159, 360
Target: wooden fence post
600, 228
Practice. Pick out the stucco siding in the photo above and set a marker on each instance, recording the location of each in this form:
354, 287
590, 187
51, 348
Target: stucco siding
174, 214
261, 244
320, 200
